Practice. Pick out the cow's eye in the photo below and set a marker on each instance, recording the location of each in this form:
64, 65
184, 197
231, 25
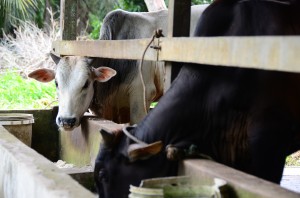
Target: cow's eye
56, 84
86, 84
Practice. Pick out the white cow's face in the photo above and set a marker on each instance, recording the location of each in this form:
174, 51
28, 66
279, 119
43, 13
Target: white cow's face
74, 80
74, 85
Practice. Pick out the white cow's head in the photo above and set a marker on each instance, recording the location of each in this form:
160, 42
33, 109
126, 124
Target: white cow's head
74, 79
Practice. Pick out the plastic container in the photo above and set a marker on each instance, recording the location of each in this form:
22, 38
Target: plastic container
18, 124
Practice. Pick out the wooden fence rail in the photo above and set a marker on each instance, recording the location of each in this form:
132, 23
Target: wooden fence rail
264, 52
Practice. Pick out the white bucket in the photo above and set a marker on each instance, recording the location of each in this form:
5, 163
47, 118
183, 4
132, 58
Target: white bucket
18, 124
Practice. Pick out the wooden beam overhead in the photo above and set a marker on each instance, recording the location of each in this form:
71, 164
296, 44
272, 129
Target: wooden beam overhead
266, 52
116, 49
271, 53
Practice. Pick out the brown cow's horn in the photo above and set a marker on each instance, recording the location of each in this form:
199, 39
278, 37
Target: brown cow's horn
138, 151
110, 137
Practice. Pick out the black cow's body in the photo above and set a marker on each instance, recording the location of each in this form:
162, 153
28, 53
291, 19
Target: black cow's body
245, 118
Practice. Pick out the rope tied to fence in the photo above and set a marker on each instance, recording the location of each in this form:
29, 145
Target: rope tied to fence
157, 34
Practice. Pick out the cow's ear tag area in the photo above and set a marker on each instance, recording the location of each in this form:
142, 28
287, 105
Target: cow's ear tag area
139, 151
103, 74
42, 75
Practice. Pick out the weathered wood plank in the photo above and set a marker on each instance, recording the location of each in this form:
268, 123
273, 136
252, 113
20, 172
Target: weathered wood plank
272, 53
241, 184
179, 18
116, 49
178, 25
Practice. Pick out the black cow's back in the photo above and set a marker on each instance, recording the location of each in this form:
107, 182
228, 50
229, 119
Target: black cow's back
246, 118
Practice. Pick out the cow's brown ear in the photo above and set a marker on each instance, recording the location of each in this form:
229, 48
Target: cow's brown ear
42, 75
139, 151
103, 74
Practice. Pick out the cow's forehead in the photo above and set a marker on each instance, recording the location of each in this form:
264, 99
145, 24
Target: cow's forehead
73, 67
72, 62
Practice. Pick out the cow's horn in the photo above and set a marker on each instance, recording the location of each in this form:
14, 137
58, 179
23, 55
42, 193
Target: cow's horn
109, 137
138, 151
55, 58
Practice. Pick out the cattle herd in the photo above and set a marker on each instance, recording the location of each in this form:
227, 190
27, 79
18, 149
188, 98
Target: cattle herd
120, 99
248, 119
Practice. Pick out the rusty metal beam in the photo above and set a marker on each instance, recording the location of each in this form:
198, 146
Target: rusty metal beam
267, 52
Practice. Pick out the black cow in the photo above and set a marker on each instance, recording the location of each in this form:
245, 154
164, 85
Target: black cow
248, 119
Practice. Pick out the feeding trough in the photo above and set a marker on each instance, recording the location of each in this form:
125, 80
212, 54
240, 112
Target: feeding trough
178, 187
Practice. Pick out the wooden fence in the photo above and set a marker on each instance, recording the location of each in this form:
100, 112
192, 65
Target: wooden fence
263, 52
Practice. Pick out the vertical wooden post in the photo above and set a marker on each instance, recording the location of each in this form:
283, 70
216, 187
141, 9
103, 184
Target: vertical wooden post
68, 19
178, 25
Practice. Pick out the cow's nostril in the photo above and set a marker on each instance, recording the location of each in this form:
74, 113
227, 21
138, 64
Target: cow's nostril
67, 122
72, 121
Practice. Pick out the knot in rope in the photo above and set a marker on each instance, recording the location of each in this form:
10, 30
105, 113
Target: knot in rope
158, 33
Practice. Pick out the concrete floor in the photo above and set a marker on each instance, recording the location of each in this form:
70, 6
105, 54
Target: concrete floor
291, 179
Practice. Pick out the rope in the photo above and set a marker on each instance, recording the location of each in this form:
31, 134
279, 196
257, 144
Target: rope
157, 33
51, 103
130, 136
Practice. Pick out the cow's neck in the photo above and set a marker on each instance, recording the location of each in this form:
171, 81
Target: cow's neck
105, 104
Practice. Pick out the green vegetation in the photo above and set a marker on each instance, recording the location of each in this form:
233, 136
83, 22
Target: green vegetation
14, 10
197, 2
19, 93
95, 18
95, 25
293, 160
133, 5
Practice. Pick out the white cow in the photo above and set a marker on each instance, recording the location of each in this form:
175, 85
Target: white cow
82, 82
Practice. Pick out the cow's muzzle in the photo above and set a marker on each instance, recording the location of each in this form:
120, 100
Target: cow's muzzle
66, 123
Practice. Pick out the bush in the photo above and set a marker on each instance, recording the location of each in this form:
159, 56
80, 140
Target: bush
19, 93
133, 5
27, 50
95, 25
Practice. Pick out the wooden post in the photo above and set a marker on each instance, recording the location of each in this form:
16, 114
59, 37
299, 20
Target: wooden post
155, 5
68, 20
178, 25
